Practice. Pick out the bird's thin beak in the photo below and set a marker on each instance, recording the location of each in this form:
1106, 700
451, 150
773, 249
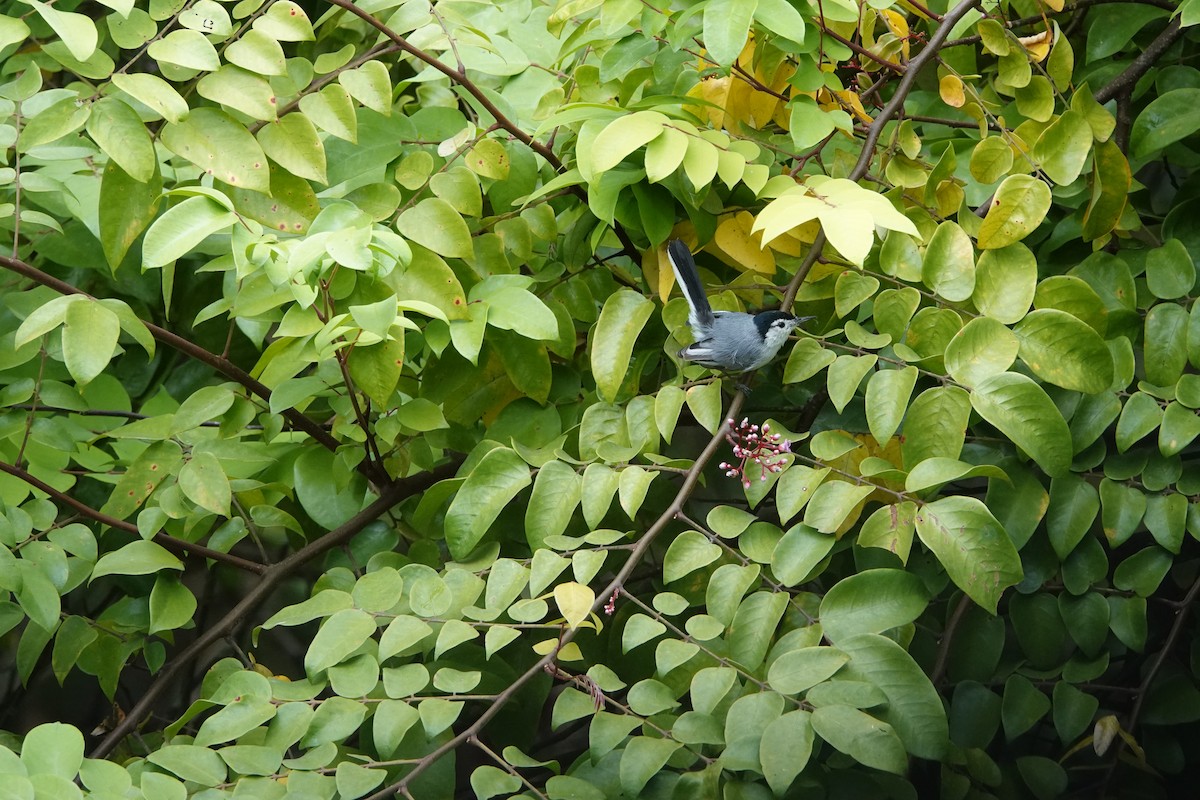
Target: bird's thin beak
801, 320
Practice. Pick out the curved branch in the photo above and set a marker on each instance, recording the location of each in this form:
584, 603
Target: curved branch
1123, 83
178, 546
391, 495
614, 586
460, 77
195, 351
893, 107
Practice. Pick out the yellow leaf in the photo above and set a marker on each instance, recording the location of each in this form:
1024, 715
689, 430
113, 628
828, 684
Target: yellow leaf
737, 246
950, 87
1105, 733
713, 90
845, 100
574, 602
1054, 5
1038, 45
896, 22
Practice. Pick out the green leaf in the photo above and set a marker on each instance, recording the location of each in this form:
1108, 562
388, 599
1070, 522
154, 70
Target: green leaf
624, 315
203, 481
172, 604
983, 347
862, 737
621, 137
370, 85
433, 223
285, 21
991, 159
949, 264
1143, 572
688, 552
642, 759
1018, 207
972, 546
1165, 343
1022, 707
936, 424
136, 558
153, 92
1141, 415
1170, 273
1061, 349
89, 339
726, 28
914, 708
190, 762
489, 487
127, 207
253, 50
786, 747
1168, 118
339, 636
77, 31
844, 376
184, 48
753, 626
800, 551
1023, 412
332, 110
51, 748
220, 146
155, 464
402, 633
832, 504
799, 670
556, 494
182, 228
1063, 147
1074, 504
119, 132
239, 90
292, 142
1005, 283
872, 602
519, 310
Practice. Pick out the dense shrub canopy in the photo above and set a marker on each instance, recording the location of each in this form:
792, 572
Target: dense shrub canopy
344, 451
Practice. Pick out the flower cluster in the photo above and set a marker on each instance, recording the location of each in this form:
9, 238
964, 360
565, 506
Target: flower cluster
750, 443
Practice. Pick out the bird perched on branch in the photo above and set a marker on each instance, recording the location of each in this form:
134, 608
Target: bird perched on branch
730, 341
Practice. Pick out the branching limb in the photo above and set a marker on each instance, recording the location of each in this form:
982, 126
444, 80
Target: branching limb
391, 495
187, 348
602, 598
178, 546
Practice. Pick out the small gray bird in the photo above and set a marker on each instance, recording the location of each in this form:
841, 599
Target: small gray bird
730, 341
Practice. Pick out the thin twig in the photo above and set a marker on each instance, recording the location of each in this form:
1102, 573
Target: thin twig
195, 351
166, 540
391, 495
538, 668
893, 107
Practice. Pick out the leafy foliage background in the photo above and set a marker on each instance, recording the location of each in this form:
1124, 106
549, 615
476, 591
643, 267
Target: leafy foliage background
343, 452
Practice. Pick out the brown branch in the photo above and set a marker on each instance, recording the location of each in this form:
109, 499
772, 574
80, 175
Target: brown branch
943, 653
178, 546
614, 586
863, 52
1036, 18
459, 76
1124, 83
1183, 609
391, 495
893, 107
195, 351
